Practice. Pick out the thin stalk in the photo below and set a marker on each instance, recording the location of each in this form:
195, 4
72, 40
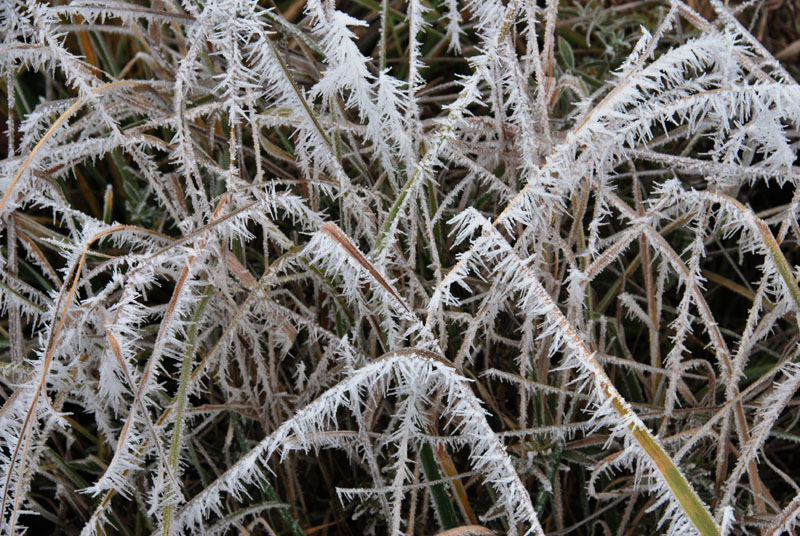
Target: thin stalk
554, 460
384, 31
301, 98
180, 399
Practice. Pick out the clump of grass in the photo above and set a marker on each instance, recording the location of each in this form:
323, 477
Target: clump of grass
397, 267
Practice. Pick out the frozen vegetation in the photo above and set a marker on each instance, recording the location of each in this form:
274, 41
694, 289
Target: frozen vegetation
494, 267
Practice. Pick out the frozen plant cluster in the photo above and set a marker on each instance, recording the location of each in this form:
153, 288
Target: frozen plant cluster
419, 261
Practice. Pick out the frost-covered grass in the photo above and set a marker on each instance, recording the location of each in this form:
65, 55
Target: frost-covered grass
494, 267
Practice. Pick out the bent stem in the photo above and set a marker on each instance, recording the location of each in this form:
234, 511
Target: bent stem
675, 481
61, 119
680, 488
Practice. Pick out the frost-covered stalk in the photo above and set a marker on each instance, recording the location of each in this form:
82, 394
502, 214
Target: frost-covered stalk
180, 406
611, 406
